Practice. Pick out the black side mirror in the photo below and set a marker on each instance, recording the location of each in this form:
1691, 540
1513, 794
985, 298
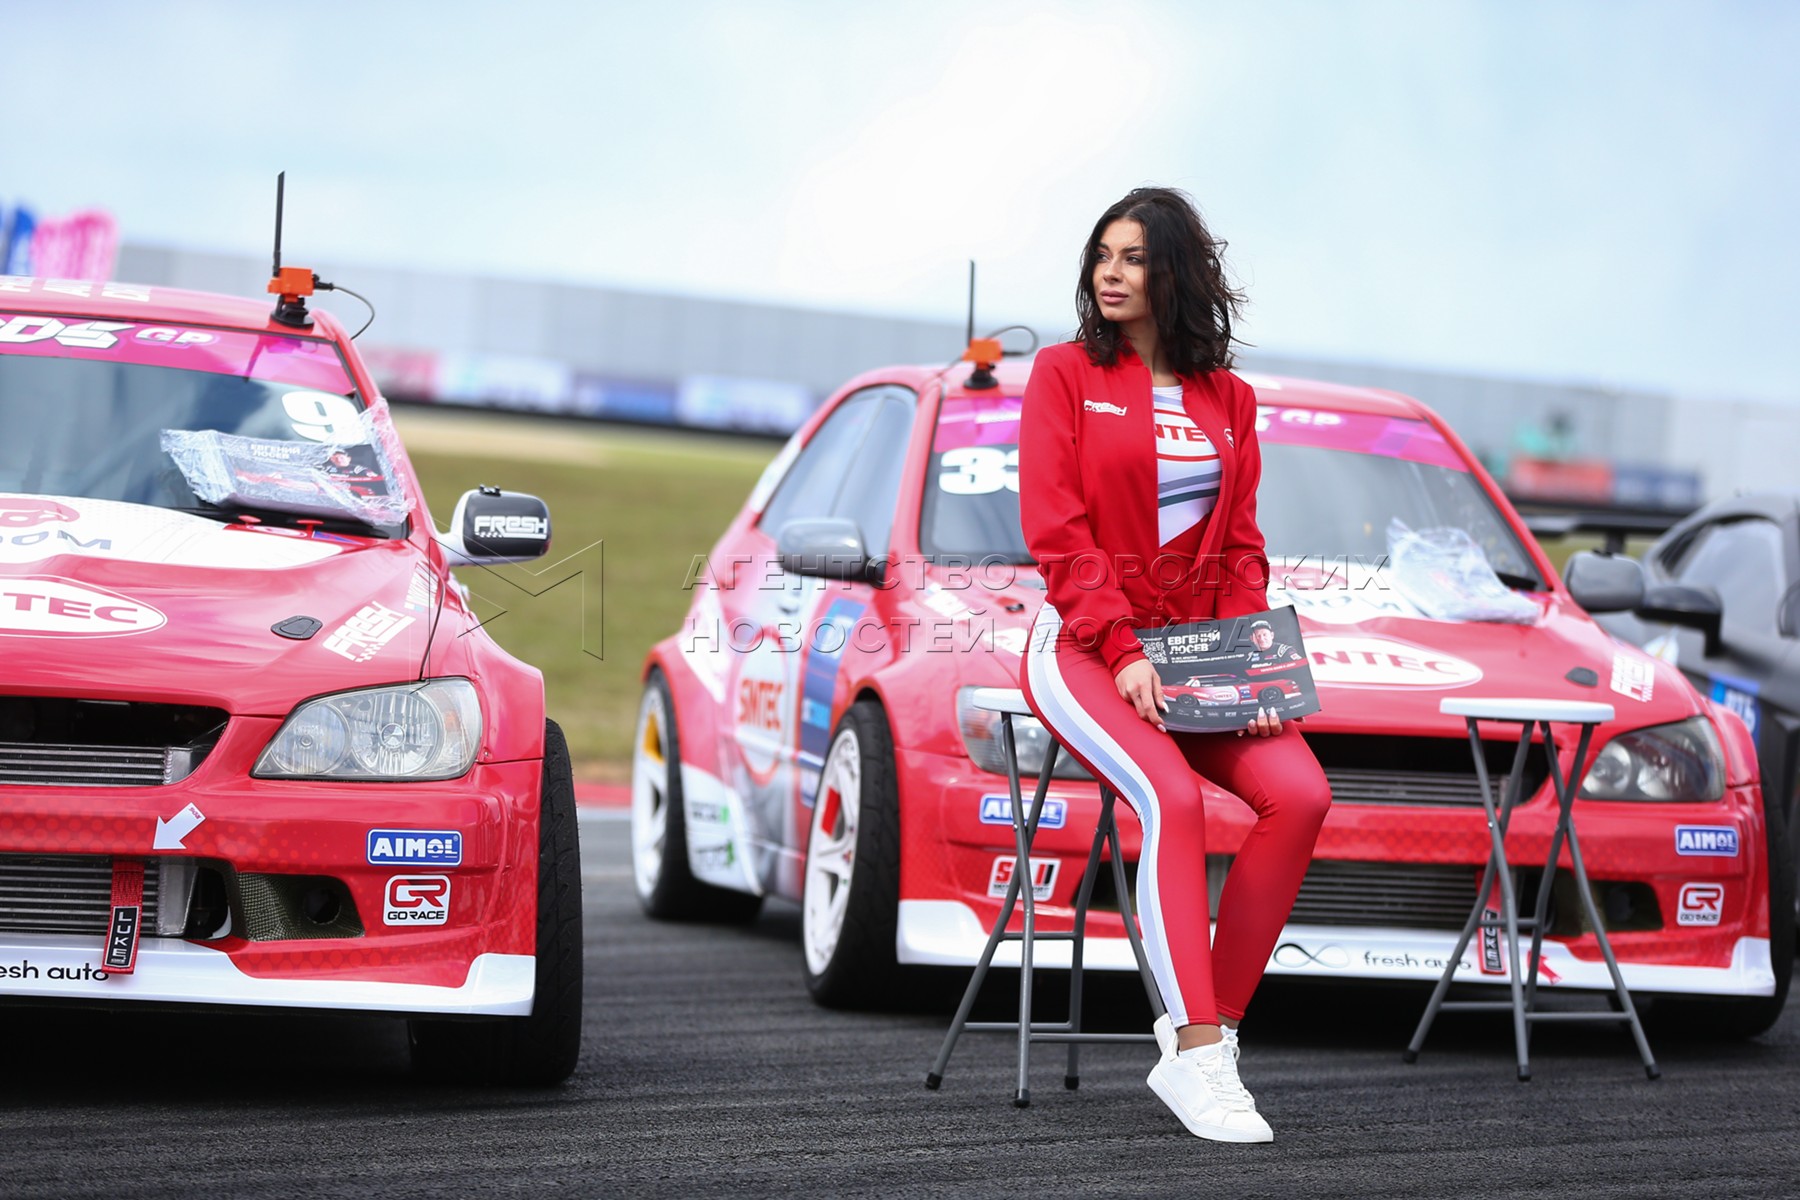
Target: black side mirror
1603, 583
826, 547
1787, 613
492, 526
1685, 605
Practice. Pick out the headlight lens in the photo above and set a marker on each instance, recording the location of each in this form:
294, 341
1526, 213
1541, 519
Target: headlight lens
981, 737
1664, 762
413, 731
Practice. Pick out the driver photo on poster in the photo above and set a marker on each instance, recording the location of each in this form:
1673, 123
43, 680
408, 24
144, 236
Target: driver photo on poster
1217, 674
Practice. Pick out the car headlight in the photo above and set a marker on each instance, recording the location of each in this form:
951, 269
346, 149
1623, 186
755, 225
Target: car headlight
1031, 741
409, 731
1681, 761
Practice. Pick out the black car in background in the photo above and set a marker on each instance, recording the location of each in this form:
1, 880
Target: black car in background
1722, 601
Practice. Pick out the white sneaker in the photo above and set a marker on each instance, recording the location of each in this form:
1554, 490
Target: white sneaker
1166, 1041
1164, 1029
1201, 1087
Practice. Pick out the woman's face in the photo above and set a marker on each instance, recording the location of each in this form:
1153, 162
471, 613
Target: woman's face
1121, 280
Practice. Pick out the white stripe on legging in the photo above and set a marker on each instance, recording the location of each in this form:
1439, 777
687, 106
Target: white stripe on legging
1075, 729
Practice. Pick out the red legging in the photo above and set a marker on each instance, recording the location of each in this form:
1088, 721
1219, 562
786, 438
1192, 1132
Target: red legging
1159, 775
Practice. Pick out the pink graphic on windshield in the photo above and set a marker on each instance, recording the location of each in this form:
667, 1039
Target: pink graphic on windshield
978, 420
1359, 433
302, 362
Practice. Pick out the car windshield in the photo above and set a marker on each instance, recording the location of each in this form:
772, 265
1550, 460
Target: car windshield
1334, 485
113, 410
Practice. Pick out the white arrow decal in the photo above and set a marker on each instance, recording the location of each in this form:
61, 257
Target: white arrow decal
170, 832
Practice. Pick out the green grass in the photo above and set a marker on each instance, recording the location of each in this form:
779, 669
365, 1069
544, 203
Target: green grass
630, 507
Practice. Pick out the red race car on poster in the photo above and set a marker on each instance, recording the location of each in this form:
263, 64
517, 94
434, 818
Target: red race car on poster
254, 747
1226, 691
809, 732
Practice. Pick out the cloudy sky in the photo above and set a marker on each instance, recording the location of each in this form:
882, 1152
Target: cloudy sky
1593, 190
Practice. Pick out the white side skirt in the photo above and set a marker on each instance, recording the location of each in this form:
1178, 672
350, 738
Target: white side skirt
183, 973
947, 933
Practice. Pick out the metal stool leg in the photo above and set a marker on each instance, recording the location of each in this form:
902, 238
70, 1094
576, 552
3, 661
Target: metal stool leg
998, 933
1022, 877
1497, 820
1565, 794
1072, 1075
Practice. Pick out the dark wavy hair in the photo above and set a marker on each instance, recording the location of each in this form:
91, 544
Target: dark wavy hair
1190, 300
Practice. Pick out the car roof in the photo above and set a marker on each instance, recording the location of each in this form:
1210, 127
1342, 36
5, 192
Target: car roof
1281, 390
139, 303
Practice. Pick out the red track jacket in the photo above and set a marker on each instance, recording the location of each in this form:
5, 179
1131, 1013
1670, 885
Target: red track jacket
1087, 495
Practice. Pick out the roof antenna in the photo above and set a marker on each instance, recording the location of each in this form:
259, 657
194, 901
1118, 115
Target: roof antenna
292, 285
983, 352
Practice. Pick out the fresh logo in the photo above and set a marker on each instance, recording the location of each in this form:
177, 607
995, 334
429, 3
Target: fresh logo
415, 847
997, 810
1700, 904
512, 527
417, 900
1708, 841
1100, 406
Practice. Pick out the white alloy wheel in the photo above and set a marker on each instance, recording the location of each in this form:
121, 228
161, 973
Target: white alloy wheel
831, 851
650, 767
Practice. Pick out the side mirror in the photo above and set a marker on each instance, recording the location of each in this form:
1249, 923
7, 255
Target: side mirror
492, 526
1787, 613
1693, 607
827, 547
1603, 583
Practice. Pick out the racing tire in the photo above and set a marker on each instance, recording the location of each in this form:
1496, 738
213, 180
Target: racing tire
850, 894
539, 1050
665, 883
1271, 696
1746, 1016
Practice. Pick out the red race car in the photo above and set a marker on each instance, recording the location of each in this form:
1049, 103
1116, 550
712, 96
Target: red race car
254, 747
809, 732
1226, 691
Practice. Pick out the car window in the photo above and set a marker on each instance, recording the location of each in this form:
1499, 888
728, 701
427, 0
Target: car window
167, 401
1742, 559
872, 487
1333, 484
810, 487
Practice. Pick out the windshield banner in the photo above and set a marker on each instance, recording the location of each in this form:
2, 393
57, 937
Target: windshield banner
305, 362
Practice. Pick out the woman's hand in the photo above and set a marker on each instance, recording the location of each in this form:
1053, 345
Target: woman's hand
1142, 689
1264, 724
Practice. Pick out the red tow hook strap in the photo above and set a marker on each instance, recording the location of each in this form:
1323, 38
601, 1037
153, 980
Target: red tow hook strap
127, 915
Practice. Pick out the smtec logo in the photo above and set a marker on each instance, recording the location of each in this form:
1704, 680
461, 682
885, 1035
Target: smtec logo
1711, 841
415, 847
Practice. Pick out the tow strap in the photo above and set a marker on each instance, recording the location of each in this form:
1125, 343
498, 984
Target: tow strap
127, 915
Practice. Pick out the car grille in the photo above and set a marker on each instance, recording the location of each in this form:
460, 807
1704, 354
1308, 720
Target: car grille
91, 766
1386, 895
1373, 769
64, 893
1389, 895
50, 741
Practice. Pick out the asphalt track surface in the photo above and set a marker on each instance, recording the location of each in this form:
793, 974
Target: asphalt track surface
707, 1071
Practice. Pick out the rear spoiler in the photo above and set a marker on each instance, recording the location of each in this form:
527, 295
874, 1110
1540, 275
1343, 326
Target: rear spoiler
1614, 524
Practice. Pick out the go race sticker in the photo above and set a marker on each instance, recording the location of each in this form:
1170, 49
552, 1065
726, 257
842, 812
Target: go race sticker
1700, 904
416, 900
1347, 661
48, 606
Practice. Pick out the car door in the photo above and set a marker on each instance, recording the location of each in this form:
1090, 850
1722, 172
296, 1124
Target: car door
778, 700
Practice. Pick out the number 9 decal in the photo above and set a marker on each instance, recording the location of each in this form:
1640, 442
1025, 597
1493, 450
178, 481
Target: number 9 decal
979, 470
324, 417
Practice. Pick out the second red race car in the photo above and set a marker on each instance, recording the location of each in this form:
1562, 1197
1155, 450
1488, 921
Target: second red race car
809, 732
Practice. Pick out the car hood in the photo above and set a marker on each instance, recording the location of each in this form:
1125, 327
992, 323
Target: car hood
107, 600
1382, 666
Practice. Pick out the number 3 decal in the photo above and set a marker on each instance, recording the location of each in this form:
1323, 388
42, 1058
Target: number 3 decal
979, 470
324, 417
